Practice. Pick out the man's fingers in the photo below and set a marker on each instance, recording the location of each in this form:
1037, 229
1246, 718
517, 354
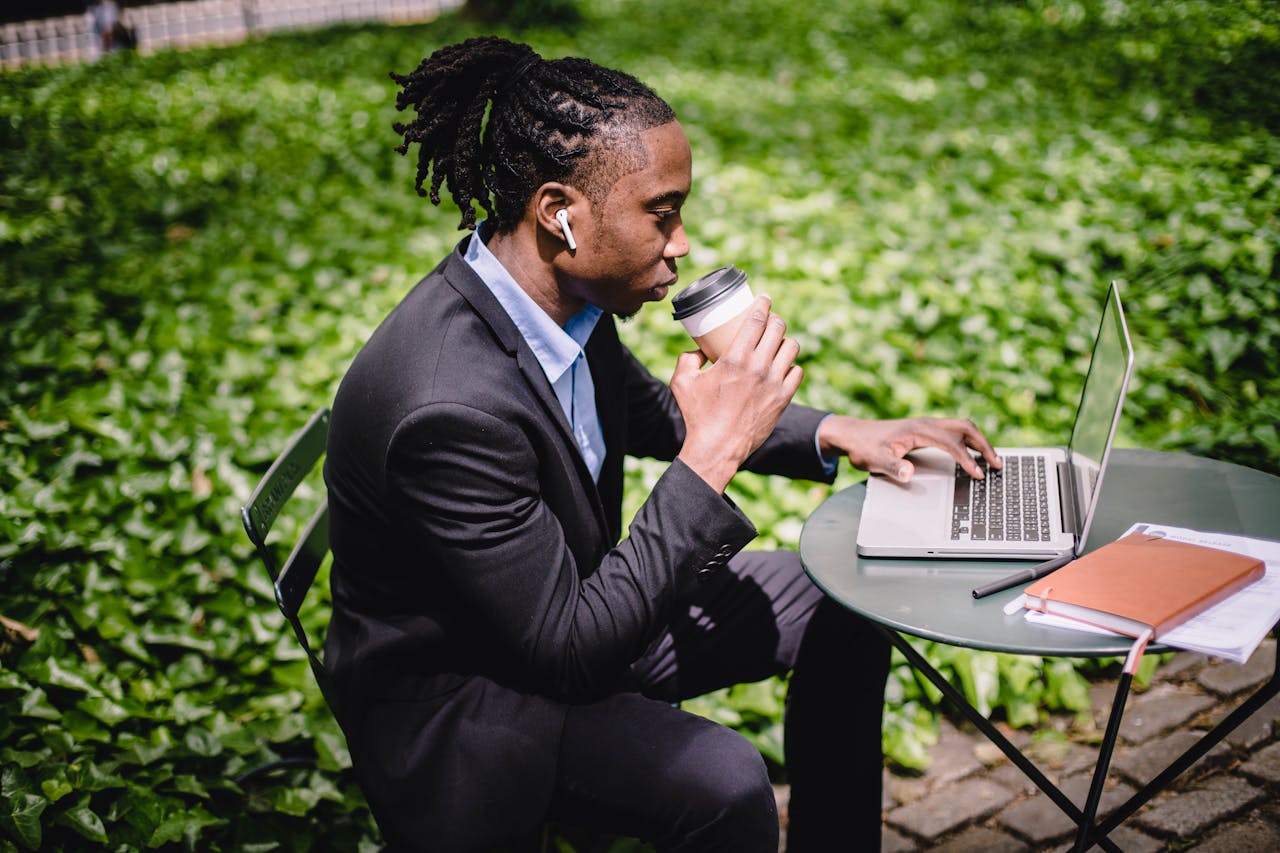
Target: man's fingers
759, 310
775, 331
958, 450
965, 458
791, 382
753, 328
687, 363
784, 356
957, 436
974, 438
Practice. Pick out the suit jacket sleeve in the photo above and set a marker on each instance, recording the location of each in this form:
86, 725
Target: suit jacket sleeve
466, 488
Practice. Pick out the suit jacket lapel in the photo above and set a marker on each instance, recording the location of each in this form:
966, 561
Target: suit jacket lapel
463, 279
604, 355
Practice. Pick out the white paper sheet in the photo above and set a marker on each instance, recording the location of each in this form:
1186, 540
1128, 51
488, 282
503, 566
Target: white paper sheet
1231, 629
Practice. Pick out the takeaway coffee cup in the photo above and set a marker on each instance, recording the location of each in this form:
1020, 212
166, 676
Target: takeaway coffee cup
712, 308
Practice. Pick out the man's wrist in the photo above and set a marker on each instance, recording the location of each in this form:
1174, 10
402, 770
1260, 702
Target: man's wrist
828, 454
714, 472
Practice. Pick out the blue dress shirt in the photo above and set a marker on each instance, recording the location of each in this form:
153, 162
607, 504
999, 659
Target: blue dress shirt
559, 351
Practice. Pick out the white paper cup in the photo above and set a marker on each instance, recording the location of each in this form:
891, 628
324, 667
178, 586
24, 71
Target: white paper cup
712, 308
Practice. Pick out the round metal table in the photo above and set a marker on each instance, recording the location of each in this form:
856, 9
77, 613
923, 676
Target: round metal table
933, 599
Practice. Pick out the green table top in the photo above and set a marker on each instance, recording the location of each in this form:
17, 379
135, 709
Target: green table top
932, 598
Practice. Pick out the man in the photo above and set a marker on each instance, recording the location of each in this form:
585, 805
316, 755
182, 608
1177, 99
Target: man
104, 18
503, 654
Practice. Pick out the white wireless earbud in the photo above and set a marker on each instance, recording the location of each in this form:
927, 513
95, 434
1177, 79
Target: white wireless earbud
562, 216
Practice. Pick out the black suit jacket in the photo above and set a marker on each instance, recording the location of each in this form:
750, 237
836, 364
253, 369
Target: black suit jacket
480, 580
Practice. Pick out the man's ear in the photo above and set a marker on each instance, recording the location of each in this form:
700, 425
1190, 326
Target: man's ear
549, 200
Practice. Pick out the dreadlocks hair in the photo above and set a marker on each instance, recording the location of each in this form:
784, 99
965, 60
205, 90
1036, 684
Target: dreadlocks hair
496, 121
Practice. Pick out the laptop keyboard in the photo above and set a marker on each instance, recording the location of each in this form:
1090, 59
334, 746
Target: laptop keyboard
1009, 505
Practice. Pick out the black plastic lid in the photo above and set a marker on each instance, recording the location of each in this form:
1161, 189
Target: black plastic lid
705, 291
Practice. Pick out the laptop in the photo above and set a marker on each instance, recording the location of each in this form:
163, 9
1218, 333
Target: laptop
1039, 506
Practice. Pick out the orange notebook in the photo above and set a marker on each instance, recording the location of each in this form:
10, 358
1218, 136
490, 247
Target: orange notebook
1141, 583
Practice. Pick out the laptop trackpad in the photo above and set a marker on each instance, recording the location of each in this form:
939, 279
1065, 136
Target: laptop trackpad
897, 512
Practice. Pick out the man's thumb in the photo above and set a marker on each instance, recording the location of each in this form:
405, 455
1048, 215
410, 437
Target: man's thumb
690, 361
900, 469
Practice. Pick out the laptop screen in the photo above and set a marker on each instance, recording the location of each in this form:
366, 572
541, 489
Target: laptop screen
1099, 412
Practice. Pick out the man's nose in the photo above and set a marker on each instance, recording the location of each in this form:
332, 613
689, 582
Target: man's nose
677, 244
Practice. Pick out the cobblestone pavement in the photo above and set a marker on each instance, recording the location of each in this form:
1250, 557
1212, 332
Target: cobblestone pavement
972, 798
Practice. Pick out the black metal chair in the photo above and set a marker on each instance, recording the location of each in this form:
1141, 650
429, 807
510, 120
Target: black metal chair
293, 579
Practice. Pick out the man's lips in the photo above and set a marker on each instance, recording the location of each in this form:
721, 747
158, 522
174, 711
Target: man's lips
660, 291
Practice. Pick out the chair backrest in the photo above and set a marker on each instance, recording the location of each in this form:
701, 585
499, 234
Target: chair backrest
293, 579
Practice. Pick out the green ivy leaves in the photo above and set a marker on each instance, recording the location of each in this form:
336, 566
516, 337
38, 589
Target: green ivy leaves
193, 246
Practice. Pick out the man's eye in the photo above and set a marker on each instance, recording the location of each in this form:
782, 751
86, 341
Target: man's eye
664, 213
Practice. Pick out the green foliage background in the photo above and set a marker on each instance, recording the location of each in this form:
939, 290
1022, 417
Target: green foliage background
194, 245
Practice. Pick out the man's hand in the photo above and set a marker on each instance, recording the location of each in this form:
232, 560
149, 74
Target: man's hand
879, 446
731, 407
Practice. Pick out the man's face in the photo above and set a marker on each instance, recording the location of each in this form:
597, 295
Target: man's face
627, 248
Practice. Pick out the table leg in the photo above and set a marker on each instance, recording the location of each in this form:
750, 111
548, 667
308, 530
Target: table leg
1089, 833
995, 736
1086, 826
1197, 750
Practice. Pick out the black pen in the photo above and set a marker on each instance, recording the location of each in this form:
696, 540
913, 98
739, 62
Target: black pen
1036, 571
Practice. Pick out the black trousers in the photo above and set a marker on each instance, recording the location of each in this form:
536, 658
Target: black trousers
636, 765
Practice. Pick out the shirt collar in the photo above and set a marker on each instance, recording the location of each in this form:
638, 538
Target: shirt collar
555, 348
